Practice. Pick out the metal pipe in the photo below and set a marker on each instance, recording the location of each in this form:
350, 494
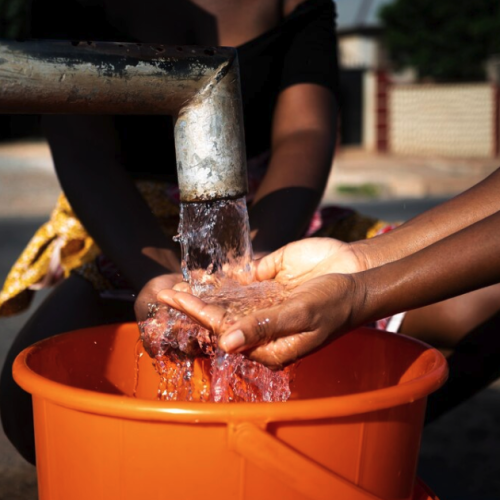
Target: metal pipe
199, 86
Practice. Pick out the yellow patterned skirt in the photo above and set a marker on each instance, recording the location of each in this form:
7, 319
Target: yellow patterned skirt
62, 245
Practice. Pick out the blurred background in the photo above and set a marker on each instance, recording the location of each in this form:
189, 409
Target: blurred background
420, 98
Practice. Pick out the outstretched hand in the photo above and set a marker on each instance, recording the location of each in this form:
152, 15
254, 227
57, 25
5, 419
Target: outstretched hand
315, 313
306, 259
149, 292
318, 308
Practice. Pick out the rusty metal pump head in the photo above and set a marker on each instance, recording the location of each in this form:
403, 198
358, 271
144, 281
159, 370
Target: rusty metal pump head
198, 86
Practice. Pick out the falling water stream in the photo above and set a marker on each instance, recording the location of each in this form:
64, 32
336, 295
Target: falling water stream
216, 254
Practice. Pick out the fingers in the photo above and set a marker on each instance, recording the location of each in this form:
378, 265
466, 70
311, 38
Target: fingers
274, 337
269, 266
263, 267
265, 326
287, 350
182, 287
141, 307
315, 312
261, 327
277, 338
149, 292
208, 315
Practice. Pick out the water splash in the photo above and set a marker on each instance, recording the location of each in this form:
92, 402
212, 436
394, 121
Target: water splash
216, 254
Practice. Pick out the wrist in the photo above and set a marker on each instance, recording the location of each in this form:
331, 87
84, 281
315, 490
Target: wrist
364, 255
359, 314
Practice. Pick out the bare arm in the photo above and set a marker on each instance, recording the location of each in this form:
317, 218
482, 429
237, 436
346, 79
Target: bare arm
464, 261
302, 150
475, 204
321, 309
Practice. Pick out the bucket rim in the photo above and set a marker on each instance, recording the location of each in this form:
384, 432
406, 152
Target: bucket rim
130, 408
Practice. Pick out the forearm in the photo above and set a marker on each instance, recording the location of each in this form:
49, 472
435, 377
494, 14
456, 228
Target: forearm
465, 209
291, 190
302, 145
467, 260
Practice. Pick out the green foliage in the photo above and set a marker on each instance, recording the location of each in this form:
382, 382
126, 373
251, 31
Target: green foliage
446, 40
13, 18
367, 190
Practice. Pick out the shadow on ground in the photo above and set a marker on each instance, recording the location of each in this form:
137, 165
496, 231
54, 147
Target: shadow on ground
460, 453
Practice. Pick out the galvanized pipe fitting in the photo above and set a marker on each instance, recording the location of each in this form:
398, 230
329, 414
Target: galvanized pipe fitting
199, 86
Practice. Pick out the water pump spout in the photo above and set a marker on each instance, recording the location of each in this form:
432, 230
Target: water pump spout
198, 86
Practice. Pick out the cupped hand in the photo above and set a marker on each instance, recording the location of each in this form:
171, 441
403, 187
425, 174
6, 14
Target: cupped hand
150, 291
315, 313
306, 259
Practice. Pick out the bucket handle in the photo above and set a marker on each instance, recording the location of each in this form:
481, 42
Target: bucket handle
304, 475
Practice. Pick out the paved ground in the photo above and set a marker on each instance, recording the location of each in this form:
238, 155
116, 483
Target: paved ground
460, 455
28, 186
393, 177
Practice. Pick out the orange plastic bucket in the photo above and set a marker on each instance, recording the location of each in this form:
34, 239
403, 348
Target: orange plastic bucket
351, 431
